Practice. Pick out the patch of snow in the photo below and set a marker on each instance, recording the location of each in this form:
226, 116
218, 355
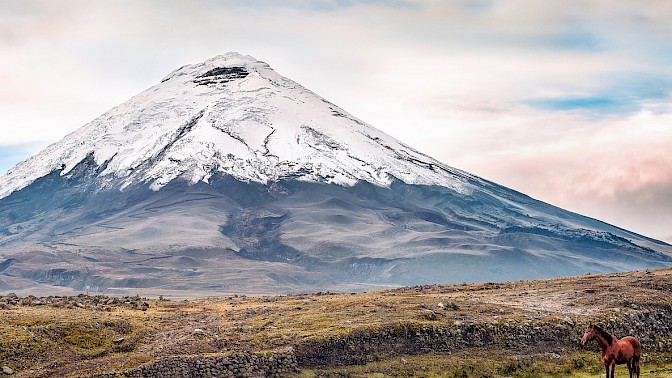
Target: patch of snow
258, 127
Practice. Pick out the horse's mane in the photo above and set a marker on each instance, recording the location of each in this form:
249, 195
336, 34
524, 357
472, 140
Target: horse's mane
604, 334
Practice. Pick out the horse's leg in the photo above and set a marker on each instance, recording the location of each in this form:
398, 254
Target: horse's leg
636, 364
606, 367
613, 368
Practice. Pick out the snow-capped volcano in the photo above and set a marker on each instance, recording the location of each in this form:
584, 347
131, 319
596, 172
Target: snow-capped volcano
234, 115
227, 177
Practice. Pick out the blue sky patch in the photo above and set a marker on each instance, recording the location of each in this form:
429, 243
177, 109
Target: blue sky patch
12, 154
600, 104
621, 93
577, 41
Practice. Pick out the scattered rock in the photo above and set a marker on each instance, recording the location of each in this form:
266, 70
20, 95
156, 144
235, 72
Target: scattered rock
118, 340
237, 364
84, 301
428, 314
450, 305
7, 370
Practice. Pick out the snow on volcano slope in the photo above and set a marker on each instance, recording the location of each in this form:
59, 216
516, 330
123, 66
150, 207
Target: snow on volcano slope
234, 115
229, 177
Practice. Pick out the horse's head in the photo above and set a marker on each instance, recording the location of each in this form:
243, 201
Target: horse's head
589, 335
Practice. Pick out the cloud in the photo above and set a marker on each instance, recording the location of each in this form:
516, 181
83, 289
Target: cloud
615, 169
320, 5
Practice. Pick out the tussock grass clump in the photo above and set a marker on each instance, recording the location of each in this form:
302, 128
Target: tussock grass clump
41, 338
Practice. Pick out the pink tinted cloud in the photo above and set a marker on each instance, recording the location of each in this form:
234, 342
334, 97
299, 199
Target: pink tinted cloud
616, 170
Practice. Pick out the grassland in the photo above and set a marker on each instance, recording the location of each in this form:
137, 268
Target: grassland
70, 336
487, 363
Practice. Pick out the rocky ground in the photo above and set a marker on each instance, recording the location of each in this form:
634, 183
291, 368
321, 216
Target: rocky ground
524, 328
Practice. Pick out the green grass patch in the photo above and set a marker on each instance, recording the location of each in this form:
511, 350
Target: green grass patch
31, 337
486, 364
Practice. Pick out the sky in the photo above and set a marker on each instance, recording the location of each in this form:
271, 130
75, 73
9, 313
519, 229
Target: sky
566, 101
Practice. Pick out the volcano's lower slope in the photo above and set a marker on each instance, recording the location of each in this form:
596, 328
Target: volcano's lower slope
229, 236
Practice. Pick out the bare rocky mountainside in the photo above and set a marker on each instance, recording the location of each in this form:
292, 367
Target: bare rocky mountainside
226, 177
507, 329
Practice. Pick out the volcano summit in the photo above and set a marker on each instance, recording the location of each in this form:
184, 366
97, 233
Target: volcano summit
227, 177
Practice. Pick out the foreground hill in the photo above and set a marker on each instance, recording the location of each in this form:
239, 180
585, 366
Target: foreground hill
228, 177
521, 329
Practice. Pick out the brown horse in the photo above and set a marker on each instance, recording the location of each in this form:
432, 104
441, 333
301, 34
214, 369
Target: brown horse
627, 350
